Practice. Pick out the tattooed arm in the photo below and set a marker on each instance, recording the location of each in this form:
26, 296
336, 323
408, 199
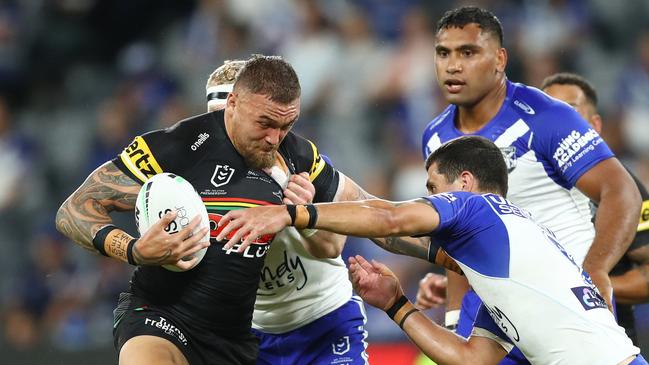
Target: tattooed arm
409, 246
86, 211
108, 189
325, 244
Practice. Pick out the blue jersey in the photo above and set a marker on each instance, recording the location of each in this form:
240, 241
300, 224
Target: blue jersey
547, 147
535, 296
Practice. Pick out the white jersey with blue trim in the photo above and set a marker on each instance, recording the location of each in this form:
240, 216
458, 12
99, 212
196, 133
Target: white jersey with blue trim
296, 288
547, 147
535, 296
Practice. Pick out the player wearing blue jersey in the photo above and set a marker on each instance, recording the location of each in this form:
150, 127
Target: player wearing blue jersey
556, 161
535, 295
630, 277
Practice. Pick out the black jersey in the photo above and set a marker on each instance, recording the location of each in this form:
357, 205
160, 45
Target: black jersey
219, 293
624, 312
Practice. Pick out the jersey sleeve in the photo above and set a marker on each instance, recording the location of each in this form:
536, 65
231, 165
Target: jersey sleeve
425, 137
448, 206
485, 326
569, 145
642, 235
305, 157
452, 223
148, 155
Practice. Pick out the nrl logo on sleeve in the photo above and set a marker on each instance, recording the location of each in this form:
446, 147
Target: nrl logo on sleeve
222, 175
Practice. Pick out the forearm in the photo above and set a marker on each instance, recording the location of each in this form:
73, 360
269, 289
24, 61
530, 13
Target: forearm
633, 286
441, 345
80, 220
376, 218
408, 246
87, 210
615, 226
323, 244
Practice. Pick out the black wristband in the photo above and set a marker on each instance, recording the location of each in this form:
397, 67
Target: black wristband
100, 239
292, 212
392, 311
313, 215
403, 320
129, 252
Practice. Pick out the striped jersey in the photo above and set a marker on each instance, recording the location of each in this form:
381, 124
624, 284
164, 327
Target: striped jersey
547, 147
535, 295
218, 294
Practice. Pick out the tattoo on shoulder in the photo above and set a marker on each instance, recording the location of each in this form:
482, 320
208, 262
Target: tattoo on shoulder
86, 210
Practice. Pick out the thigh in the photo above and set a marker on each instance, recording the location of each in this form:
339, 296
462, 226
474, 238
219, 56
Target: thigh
148, 328
336, 338
143, 350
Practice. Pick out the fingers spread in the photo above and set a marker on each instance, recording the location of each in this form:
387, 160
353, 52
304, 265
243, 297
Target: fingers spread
167, 218
229, 223
188, 231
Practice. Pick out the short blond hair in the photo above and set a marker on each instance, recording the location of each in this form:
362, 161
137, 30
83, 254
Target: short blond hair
226, 73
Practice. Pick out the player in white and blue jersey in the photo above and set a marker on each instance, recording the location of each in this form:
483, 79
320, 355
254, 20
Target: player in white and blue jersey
556, 161
630, 277
536, 297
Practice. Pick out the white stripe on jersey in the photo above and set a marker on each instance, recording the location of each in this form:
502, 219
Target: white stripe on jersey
514, 132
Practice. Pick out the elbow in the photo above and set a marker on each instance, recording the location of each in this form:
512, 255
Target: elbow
61, 218
329, 250
325, 254
633, 192
394, 224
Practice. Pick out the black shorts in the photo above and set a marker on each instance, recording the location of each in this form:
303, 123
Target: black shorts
134, 318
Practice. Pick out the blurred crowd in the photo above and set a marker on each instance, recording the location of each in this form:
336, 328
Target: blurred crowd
80, 78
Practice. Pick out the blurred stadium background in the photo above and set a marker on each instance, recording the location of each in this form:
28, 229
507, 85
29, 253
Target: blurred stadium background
79, 78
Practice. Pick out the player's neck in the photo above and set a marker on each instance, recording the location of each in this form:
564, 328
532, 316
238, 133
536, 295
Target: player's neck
471, 119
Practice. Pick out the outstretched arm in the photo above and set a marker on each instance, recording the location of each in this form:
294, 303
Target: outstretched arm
367, 218
108, 189
408, 246
320, 244
379, 287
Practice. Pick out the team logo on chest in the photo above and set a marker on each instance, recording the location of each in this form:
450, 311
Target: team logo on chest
341, 346
222, 175
509, 153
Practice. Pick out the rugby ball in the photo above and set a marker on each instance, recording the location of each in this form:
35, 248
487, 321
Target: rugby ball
167, 192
